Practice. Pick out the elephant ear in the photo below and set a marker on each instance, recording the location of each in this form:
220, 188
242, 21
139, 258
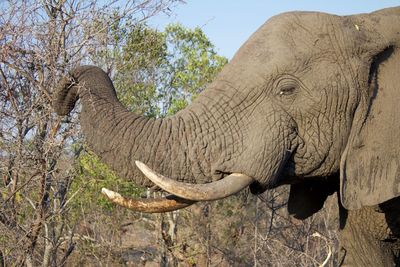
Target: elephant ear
370, 164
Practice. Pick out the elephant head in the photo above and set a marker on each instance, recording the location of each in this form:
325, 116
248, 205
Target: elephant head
309, 100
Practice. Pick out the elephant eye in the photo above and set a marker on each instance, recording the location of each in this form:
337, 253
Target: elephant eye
286, 85
287, 90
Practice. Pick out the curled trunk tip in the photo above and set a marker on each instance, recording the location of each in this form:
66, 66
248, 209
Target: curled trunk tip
66, 96
67, 93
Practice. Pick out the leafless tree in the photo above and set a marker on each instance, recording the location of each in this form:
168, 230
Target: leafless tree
39, 42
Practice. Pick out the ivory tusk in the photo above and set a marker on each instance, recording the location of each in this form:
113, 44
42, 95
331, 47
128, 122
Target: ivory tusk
156, 205
198, 192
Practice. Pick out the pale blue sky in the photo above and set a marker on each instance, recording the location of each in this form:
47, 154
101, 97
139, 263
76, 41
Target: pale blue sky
228, 23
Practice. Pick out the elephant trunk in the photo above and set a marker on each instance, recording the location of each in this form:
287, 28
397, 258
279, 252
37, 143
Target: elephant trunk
180, 147
116, 135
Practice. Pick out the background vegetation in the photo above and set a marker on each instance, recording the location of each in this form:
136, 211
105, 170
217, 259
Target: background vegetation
51, 212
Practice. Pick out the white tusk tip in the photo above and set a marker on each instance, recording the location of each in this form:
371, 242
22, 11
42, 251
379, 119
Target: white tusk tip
140, 164
110, 194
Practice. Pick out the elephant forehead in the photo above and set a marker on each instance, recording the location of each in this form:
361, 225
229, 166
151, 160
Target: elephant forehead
291, 40
288, 34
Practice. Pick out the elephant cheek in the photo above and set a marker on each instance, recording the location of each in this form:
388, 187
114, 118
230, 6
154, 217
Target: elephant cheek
263, 160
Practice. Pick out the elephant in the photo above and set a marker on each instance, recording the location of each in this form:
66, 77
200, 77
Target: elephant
309, 101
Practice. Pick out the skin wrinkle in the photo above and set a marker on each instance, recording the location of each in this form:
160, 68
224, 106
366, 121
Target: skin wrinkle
130, 150
216, 109
209, 126
168, 147
233, 127
312, 35
338, 120
345, 107
186, 140
120, 132
236, 130
198, 126
213, 112
104, 129
339, 103
203, 150
328, 104
182, 167
173, 145
320, 119
116, 146
341, 59
165, 148
224, 127
145, 132
252, 104
128, 121
317, 156
228, 115
345, 103
327, 137
153, 132
257, 103
157, 143
141, 123
110, 130
236, 136
279, 143
197, 141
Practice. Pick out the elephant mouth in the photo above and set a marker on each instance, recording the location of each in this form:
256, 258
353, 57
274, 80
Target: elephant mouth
183, 194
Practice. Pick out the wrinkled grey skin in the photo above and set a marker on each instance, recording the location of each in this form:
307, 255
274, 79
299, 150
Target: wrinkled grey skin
309, 100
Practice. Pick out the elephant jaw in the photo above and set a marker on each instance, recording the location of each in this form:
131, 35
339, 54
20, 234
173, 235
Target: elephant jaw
184, 194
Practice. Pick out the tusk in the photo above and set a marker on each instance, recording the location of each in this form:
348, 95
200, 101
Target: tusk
198, 192
168, 203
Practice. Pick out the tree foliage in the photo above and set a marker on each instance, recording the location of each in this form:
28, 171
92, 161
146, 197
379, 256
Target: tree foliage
192, 64
158, 73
